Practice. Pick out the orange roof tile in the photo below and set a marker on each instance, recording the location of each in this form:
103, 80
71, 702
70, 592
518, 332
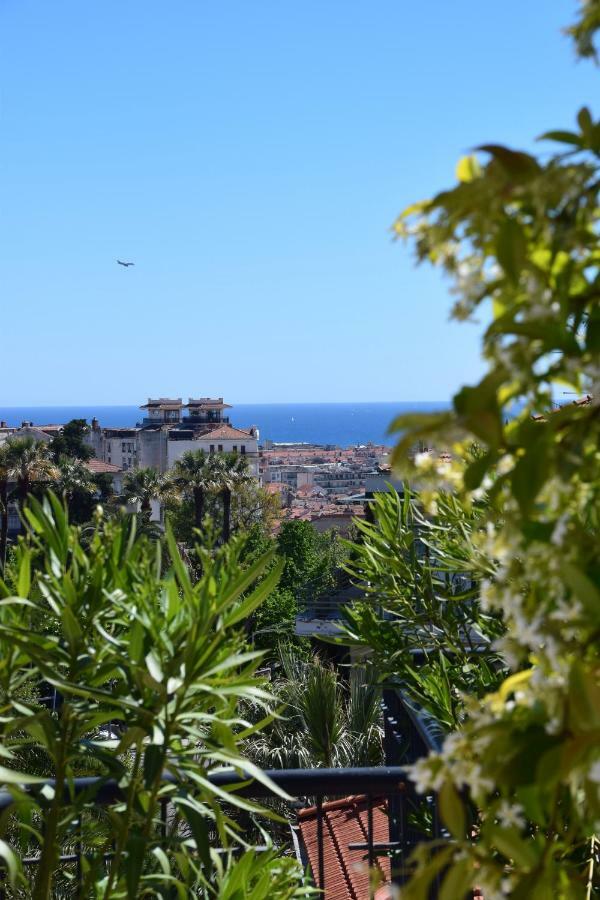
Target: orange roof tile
99, 467
228, 433
345, 822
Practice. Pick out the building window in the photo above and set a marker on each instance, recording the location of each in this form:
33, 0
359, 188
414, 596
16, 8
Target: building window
108, 447
220, 448
243, 449
109, 458
212, 448
123, 447
235, 448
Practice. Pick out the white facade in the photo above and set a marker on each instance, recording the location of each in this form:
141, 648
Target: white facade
164, 435
243, 443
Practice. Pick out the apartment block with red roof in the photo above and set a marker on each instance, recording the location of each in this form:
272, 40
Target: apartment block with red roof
168, 429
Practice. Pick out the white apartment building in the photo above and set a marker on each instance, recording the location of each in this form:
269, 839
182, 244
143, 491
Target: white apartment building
165, 434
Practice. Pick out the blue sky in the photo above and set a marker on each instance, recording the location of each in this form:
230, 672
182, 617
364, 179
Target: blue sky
250, 158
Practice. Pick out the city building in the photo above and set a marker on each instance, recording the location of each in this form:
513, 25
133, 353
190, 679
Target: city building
171, 427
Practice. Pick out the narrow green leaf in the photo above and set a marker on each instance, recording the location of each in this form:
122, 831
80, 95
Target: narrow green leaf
511, 248
452, 810
154, 667
12, 863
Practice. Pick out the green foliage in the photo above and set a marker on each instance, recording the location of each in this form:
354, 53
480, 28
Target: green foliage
312, 560
420, 617
252, 506
70, 442
165, 659
260, 876
28, 462
323, 720
142, 486
193, 478
275, 619
198, 475
520, 234
80, 489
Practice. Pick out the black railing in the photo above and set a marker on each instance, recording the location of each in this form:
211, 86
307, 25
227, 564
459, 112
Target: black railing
376, 787
409, 735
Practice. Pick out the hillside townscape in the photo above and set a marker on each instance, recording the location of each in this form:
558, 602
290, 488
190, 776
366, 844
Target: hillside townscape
239, 666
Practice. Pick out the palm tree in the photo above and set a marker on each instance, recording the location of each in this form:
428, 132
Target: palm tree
75, 483
194, 474
29, 462
325, 721
143, 486
230, 472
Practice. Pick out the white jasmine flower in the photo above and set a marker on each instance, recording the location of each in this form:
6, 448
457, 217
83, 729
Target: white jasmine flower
420, 773
560, 530
510, 815
475, 780
455, 743
566, 612
553, 725
528, 633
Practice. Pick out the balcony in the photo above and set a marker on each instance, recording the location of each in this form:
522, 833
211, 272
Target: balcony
343, 824
322, 616
205, 420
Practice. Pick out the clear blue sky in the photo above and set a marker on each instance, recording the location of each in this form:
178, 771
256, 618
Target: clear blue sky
250, 158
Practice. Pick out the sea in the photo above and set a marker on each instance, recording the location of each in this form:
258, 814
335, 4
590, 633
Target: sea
342, 424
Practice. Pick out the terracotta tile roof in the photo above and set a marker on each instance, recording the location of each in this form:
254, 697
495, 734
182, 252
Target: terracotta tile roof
277, 487
308, 489
228, 433
345, 822
99, 467
49, 429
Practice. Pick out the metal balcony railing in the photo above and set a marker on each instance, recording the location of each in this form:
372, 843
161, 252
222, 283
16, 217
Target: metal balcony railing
383, 799
376, 787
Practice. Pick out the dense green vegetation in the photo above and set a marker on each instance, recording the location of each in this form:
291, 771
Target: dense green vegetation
420, 618
202, 493
70, 441
481, 599
325, 720
126, 637
518, 774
